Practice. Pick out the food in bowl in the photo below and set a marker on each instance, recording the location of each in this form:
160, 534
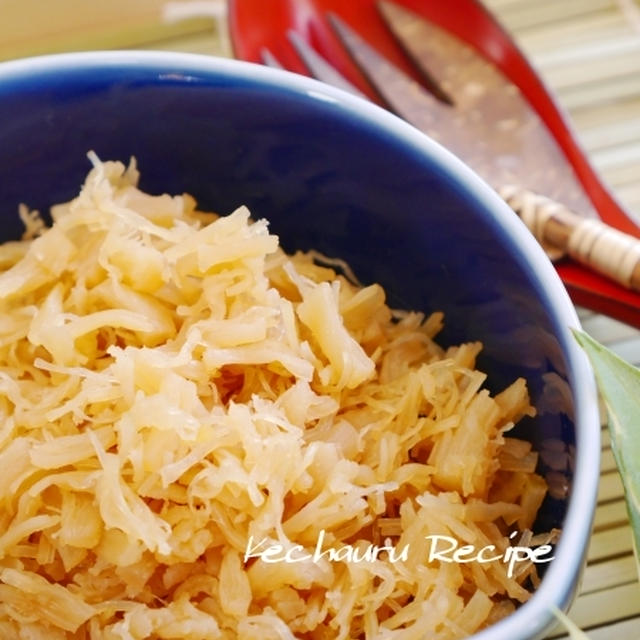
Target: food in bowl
205, 437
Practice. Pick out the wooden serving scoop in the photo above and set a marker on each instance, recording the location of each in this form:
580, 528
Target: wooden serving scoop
466, 84
485, 120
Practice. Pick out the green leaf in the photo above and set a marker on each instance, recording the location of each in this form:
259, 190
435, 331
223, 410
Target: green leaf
619, 384
574, 632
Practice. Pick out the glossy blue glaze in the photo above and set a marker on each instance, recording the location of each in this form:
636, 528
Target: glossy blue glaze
331, 173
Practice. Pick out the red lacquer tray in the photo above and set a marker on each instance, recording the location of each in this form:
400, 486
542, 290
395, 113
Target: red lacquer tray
258, 24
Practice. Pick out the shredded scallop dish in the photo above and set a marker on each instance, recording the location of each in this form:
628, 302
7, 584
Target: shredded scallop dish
203, 437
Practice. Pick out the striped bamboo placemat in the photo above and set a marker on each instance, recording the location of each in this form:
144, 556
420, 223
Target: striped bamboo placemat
589, 53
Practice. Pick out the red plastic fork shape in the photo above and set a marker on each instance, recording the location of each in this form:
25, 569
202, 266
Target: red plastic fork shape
258, 24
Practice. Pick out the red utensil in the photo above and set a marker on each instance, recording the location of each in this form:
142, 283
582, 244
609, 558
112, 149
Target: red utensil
257, 26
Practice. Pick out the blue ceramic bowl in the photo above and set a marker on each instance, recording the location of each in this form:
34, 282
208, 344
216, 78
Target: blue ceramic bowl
336, 174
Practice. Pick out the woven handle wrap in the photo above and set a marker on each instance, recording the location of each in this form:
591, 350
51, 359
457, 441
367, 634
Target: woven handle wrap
588, 241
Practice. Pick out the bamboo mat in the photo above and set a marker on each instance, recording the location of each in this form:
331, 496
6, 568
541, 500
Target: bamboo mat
589, 53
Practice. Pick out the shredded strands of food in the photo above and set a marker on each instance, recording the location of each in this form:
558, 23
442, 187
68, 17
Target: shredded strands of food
177, 395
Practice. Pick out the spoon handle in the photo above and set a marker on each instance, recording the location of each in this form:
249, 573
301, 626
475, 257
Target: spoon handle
588, 241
